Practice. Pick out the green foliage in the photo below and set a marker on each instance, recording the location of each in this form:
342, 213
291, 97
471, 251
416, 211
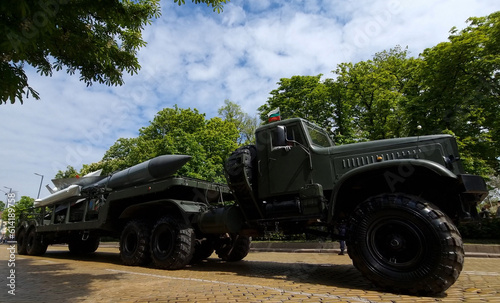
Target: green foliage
216, 4
374, 91
99, 39
453, 87
2, 205
22, 205
299, 96
480, 229
461, 90
177, 131
245, 124
70, 172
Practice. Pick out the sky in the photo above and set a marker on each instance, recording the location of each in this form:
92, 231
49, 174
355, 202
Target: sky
196, 58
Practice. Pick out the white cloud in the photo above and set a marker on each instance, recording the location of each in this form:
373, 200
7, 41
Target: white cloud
196, 58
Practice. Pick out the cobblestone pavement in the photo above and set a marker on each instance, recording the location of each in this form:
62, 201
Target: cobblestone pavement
267, 277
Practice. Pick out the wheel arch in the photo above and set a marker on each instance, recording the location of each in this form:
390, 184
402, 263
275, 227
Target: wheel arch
411, 176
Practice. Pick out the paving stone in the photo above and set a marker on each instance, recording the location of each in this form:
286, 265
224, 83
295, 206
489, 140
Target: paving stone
267, 277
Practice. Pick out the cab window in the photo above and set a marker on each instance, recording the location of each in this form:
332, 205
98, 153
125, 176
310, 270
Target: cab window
318, 138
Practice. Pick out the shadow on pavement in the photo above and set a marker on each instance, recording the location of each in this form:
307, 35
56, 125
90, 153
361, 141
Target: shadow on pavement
333, 275
100, 256
50, 282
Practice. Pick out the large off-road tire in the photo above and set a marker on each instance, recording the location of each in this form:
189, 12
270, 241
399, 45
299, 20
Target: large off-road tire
203, 249
172, 243
242, 159
34, 244
405, 244
81, 247
134, 243
21, 242
233, 248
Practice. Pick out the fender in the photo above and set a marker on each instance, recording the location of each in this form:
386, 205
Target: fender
394, 171
157, 207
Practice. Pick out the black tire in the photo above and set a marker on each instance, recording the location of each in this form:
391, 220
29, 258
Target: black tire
34, 244
81, 247
203, 249
172, 244
21, 242
233, 248
405, 245
242, 159
134, 243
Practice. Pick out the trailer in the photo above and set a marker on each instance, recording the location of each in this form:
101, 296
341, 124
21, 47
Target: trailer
171, 221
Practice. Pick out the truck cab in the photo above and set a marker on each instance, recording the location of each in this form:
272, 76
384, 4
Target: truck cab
291, 154
399, 199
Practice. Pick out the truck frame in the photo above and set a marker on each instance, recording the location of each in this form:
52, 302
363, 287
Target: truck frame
399, 200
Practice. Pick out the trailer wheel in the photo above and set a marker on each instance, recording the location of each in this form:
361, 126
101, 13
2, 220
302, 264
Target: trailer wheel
233, 248
34, 244
21, 242
405, 244
134, 243
172, 244
79, 246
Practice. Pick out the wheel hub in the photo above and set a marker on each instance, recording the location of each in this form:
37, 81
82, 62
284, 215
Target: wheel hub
396, 243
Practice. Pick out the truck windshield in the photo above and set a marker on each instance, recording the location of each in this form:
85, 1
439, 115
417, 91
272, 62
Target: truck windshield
318, 138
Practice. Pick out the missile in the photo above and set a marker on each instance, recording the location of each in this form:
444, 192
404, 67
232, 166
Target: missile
148, 171
152, 170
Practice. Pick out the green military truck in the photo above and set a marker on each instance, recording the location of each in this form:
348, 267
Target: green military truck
400, 200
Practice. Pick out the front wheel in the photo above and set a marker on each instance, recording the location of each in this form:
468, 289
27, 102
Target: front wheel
172, 243
405, 244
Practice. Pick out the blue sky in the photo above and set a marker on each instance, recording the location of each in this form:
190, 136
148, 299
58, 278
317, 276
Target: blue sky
197, 58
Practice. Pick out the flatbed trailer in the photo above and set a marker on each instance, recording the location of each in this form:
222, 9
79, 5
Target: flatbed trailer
131, 214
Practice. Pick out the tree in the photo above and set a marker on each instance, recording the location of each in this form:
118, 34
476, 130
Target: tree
22, 205
461, 91
300, 96
178, 131
452, 88
245, 124
100, 39
70, 172
374, 91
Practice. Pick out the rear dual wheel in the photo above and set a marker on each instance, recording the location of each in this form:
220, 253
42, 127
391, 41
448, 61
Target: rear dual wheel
172, 243
134, 243
34, 243
21, 242
233, 248
80, 245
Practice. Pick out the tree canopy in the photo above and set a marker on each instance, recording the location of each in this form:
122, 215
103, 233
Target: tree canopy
22, 205
245, 124
174, 131
452, 87
98, 39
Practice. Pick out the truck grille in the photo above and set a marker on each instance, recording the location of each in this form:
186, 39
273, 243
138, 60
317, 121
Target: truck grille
353, 162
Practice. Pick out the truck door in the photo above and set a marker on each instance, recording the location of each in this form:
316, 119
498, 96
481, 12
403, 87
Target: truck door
288, 166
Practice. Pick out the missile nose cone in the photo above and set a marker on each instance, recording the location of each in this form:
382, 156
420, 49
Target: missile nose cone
166, 165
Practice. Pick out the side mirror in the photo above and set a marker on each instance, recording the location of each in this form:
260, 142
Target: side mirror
279, 136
